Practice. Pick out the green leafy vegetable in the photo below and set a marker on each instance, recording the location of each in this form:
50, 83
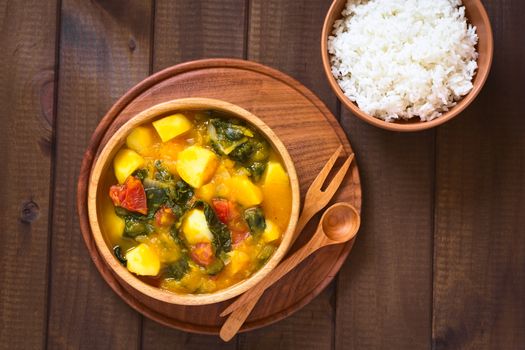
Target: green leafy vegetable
215, 267
221, 233
261, 151
161, 173
266, 252
181, 193
178, 269
226, 136
118, 254
242, 153
134, 227
254, 217
141, 174
155, 197
256, 170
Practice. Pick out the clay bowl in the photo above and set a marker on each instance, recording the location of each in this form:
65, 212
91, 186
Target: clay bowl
144, 292
476, 15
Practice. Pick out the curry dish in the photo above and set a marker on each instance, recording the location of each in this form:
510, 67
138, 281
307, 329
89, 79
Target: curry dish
195, 202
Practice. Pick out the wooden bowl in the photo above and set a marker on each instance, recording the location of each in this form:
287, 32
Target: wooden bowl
476, 15
139, 289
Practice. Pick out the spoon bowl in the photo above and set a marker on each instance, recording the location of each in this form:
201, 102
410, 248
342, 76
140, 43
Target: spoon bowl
340, 222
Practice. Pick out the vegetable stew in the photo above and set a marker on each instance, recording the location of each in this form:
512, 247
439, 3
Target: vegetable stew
195, 202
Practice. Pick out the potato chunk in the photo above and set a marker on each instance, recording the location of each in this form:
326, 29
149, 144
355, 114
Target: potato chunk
141, 138
244, 191
125, 163
196, 165
277, 195
112, 224
172, 126
271, 232
143, 261
195, 227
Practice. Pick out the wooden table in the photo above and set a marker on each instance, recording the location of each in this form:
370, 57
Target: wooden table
440, 259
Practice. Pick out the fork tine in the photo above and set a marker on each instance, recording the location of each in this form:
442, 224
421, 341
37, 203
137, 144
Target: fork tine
338, 178
319, 180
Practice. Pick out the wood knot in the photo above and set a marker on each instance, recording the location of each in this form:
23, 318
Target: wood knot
30, 212
132, 44
43, 97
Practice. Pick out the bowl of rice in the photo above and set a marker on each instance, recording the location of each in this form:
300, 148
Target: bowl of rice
406, 65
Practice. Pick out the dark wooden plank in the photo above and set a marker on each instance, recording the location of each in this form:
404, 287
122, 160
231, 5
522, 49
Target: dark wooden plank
156, 337
189, 30
295, 332
27, 98
384, 290
105, 49
479, 284
285, 35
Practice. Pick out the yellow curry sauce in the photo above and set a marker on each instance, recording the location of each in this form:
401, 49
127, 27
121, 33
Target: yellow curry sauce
197, 202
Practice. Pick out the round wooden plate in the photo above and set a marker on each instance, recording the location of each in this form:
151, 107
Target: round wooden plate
302, 122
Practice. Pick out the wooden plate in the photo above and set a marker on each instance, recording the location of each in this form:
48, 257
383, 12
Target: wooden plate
302, 122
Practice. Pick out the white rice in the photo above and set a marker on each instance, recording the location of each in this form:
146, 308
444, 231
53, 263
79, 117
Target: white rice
404, 58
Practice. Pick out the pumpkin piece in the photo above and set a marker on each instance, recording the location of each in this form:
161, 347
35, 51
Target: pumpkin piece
206, 192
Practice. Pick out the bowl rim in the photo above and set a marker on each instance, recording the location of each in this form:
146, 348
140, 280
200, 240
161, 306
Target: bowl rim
478, 80
103, 161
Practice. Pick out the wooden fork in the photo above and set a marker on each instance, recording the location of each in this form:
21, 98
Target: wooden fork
315, 200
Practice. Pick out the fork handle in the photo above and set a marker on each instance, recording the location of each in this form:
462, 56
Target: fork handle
255, 293
306, 215
236, 320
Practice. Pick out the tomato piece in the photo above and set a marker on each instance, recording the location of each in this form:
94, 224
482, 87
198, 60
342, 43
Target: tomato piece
228, 213
239, 235
165, 216
222, 209
130, 196
202, 254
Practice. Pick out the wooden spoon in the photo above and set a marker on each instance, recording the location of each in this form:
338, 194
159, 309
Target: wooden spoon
339, 224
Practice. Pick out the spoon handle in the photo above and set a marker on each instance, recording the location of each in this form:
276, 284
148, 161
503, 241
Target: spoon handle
278, 272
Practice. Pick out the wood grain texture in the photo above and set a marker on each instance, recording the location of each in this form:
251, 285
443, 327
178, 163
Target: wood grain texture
27, 86
104, 50
234, 81
384, 290
479, 258
280, 34
291, 333
219, 31
285, 35
189, 30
